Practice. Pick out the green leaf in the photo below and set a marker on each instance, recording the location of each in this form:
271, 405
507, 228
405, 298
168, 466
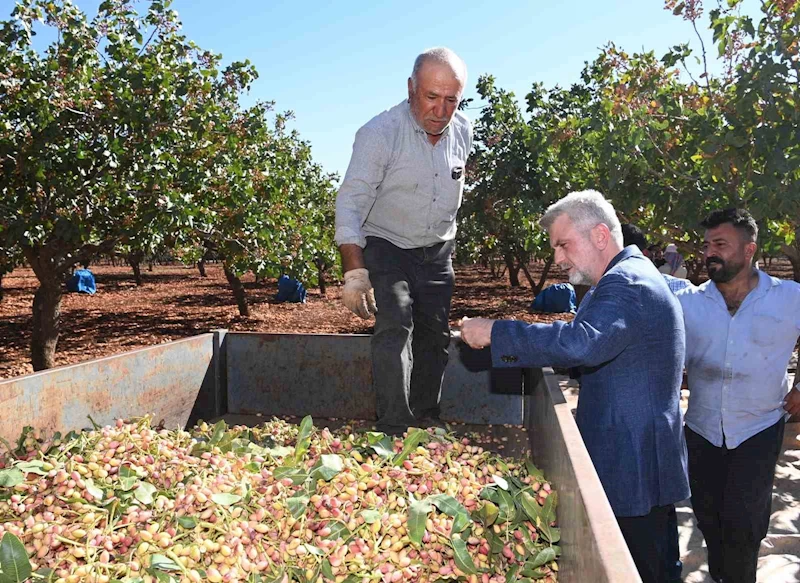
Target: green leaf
410, 443
417, 517
276, 579
511, 574
545, 556
453, 508
11, 477
188, 522
219, 431
381, 443
530, 507
225, 498
328, 466
163, 563
14, 559
338, 530
144, 493
488, 513
314, 550
327, 570
296, 475
126, 472
551, 534
370, 516
461, 555
508, 510
96, 492
32, 467
303, 438
549, 507
280, 451
297, 505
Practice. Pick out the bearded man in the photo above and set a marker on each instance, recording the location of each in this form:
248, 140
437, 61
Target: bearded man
627, 342
741, 328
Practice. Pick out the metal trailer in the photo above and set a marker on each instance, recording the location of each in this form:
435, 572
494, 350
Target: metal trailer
244, 377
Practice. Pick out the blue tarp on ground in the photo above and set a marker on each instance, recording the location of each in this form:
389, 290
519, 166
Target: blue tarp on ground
559, 298
82, 281
290, 290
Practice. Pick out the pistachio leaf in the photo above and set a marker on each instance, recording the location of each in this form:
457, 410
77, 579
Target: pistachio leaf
225, 498
14, 559
461, 555
417, 517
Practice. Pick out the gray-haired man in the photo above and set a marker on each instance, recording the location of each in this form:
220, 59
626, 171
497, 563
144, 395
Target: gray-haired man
395, 227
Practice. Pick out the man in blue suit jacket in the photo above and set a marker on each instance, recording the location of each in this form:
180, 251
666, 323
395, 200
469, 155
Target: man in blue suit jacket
628, 343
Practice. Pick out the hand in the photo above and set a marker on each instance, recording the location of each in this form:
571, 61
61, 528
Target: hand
791, 402
476, 332
358, 295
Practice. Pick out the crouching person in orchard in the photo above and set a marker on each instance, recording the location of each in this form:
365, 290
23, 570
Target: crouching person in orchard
395, 227
741, 328
628, 344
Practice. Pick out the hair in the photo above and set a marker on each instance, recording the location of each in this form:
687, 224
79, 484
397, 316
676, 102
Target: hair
586, 209
443, 56
633, 235
742, 220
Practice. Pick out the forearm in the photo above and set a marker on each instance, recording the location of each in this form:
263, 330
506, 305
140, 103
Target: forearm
352, 257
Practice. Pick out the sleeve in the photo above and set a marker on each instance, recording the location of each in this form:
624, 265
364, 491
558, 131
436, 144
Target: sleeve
601, 332
359, 189
797, 304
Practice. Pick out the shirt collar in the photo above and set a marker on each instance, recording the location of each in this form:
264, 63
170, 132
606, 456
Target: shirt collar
765, 283
416, 127
626, 253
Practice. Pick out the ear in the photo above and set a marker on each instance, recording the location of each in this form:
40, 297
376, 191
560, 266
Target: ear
410, 88
601, 236
750, 251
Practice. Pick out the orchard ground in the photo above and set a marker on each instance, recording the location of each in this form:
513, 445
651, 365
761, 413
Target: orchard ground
176, 302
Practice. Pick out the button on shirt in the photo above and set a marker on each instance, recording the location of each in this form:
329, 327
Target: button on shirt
736, 365
399, 186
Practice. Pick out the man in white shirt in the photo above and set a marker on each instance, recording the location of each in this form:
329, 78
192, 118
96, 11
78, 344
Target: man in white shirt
741, 329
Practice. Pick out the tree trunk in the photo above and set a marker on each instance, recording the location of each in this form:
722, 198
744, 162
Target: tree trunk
793, 253
238, 290
545, 272
321, 269
135, 261
1, 287
201, 267
513, 270
46, 324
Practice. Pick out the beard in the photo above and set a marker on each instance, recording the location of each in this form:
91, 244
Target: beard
578, 277
721, 271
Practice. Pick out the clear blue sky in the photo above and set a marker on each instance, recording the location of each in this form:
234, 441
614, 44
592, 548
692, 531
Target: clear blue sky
337, 64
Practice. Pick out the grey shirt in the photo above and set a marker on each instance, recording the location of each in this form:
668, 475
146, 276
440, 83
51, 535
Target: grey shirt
399, 186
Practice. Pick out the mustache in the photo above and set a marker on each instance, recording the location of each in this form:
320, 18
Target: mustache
711, 260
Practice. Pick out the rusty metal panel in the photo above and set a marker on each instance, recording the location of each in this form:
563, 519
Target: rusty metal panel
162, 380
590, 536
323, 375
331, 376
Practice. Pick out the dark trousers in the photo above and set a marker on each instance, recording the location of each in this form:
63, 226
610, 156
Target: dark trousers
732, 499
413, 290
674, 563
648, 538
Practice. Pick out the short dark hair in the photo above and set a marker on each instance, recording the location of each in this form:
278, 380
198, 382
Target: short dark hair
739, 218
633, 235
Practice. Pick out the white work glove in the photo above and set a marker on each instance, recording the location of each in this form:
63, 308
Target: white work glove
358, 295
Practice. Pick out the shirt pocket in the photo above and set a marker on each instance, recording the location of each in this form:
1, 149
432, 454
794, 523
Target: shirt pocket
768, 326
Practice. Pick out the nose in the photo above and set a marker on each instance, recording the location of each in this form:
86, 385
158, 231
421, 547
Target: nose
440, 109
558, 257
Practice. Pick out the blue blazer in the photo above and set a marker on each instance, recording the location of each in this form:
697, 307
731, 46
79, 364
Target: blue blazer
628, 342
